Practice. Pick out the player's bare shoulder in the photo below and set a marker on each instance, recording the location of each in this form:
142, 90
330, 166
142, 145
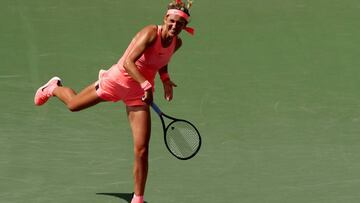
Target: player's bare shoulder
149, 33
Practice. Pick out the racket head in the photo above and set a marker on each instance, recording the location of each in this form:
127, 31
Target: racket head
182, 139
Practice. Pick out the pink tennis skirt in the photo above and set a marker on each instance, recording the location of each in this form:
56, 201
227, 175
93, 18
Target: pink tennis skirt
114, 86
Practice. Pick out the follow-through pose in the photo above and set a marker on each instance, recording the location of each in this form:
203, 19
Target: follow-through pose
131, 80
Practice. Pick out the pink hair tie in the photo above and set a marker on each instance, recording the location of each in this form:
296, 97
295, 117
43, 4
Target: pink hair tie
190, 30
179, 13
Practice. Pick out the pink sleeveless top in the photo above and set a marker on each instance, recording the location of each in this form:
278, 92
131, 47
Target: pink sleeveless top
154, 58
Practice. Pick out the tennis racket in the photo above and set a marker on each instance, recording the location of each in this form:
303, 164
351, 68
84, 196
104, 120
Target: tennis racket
181, 137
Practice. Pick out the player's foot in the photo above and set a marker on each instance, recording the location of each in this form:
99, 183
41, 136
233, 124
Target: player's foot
137, 199
46, 91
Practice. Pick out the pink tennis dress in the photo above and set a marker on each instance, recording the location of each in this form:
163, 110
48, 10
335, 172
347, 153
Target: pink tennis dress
116, 84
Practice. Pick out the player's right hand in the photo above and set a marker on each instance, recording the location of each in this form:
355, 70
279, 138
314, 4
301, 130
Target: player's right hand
148, 96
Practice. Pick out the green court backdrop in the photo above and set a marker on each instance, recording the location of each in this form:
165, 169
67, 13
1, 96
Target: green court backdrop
273, 87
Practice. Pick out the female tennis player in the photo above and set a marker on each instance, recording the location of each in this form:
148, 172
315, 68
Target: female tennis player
131, 80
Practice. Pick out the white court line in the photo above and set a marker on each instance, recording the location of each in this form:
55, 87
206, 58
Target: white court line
10, 76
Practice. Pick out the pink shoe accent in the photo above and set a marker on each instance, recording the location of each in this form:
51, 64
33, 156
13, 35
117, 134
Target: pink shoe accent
137, 199
46, 91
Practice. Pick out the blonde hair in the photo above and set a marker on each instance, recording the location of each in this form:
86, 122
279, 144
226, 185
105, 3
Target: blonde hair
178, 4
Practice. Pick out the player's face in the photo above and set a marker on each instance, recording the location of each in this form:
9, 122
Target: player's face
174, 24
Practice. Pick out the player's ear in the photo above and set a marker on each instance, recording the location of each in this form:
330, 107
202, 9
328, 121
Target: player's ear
165, 17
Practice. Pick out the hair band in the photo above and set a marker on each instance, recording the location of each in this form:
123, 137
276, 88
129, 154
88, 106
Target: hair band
179, 13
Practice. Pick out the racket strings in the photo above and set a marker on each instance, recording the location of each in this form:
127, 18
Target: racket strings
182, 139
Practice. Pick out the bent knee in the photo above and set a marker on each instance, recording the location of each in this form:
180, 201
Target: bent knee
73, 107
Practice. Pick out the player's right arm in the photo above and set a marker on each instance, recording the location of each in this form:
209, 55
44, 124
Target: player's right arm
143, 39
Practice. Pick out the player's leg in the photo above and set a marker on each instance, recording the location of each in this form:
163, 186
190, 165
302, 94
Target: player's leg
76, 102
139, 118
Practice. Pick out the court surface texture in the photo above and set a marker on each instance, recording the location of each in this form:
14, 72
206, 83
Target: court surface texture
273, 87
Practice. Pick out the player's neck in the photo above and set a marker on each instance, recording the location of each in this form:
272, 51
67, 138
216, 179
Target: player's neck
165, 38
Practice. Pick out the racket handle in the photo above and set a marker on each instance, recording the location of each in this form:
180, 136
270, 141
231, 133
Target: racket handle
155, 108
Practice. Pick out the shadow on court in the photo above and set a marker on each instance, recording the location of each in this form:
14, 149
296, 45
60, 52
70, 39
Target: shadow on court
124, 196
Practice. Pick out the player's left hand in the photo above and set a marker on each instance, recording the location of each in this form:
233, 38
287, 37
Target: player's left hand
168, 89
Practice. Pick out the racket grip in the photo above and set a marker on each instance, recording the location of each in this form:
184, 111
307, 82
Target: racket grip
155, 108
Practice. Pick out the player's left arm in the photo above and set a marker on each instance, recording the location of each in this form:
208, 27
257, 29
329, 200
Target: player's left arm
165, 78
